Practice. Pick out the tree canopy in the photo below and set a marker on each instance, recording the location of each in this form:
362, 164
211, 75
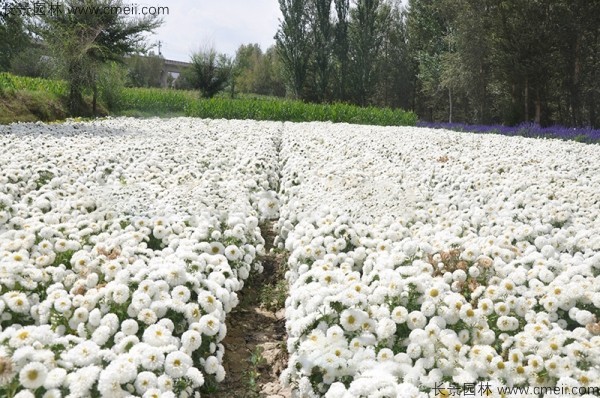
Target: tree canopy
83, 42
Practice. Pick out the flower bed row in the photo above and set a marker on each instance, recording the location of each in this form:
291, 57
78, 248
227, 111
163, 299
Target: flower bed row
122, 246
423, 260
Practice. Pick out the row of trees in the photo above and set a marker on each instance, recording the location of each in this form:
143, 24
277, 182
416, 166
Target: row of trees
250, 71
507, 60
98, 52
80, 47
479, 61
335, 50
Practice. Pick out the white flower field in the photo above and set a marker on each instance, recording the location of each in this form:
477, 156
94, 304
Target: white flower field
420, 260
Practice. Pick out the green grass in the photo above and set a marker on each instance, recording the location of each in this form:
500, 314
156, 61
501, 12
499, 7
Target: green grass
43, 99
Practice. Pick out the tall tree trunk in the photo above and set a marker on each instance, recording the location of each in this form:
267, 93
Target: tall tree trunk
526, 100
450, 102
94, 99
575, 103
538, 107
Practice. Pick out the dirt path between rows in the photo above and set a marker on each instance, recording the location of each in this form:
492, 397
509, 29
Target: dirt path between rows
255, 345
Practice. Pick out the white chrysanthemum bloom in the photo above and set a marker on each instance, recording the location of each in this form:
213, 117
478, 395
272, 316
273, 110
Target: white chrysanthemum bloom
165, 383
268, 207
211, 365
177, 363
191, 340
83, 354
80, 315
196, 376
33, 375
502, 309
129, 327
17, 302
109, 384
22, 337
507, 323
152, 393
120, 294
156, 335
585, 317
209, 325
24, 394
52, 393
101, 335
181, 293
386, 328
147, 316
352, 319
55, 378
550, 303
416, 320
216, 248
95, 317
145, 381
81, 381
220, 374
148, 287
399, 314
192, 312
233, 253
152, 358
62, 305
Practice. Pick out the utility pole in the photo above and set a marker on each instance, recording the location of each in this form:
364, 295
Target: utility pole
159, 48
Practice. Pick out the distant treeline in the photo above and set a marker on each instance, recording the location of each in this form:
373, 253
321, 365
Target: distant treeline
469, 61
478, 61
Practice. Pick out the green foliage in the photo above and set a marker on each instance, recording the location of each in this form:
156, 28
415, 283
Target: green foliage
257, 72
293, 43
13, 38
272, 296
252, 375
155, 100
10, 82
366, 32
83, 42
111, 82
507, 61
323, 33
144, 71
211, 72
297, 111
32, 62
341, 49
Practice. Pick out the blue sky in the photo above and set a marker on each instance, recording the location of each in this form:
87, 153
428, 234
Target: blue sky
224, 24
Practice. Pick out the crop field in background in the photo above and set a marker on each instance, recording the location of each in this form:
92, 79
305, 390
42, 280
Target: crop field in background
152, 101
417, 260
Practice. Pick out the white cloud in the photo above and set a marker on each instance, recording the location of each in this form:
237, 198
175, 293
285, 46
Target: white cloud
226, 24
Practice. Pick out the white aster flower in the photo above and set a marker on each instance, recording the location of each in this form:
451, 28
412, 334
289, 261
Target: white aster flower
33, 375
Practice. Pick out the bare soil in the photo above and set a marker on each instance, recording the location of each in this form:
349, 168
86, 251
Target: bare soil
255, 345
